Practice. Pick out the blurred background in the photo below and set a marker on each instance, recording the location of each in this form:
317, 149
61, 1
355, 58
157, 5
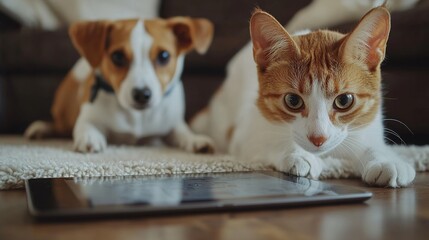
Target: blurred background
36, 53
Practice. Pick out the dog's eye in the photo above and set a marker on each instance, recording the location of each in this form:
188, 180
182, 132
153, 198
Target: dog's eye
343, 102
294, 102
163, 58
118, 58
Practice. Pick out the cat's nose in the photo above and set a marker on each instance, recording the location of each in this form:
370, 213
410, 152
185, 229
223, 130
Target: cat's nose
317, 140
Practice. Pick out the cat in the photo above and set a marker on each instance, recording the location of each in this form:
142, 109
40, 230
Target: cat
295, 100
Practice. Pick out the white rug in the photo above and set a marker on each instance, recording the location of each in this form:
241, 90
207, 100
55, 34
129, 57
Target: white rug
22, 159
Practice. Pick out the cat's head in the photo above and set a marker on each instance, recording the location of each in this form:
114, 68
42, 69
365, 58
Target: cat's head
325, 84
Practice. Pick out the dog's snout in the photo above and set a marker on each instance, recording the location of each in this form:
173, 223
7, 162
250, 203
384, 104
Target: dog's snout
142, 95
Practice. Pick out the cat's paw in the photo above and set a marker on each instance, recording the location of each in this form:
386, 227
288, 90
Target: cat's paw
91, 141
389, 174
309, 187
302, 164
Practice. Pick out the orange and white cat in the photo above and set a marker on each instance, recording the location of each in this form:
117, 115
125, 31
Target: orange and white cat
309, 96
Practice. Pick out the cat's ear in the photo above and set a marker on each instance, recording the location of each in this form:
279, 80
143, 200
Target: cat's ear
269, 39
367, 43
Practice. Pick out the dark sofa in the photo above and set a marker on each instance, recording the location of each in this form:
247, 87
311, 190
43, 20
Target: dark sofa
33, 62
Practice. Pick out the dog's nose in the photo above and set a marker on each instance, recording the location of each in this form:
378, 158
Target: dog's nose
142, 95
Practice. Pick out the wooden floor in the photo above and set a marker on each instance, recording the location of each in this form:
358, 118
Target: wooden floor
390, 214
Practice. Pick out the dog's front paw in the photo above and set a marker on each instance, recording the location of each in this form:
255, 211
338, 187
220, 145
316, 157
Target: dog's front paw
302, 164
388, 174
199, 144
39, 130
91, 141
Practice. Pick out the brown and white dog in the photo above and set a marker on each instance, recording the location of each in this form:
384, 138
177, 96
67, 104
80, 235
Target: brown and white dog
127, 84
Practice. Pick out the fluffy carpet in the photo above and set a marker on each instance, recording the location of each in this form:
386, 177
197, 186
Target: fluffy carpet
21, 159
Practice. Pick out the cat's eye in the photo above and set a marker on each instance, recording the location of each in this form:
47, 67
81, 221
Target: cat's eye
344, 101
294, 102
163, 58
118, 58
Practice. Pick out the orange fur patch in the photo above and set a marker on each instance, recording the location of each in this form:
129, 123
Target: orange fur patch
164, 39
66, 106
118, 39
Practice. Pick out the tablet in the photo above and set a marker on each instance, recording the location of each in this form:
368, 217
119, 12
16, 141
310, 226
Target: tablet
168, 194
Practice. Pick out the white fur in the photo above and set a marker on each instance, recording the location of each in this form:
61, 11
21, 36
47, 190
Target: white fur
318, 124
81, 70
141, 73
111, 117
286, 146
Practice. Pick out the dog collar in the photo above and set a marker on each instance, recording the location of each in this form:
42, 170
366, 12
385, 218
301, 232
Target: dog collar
170, 88
99, 84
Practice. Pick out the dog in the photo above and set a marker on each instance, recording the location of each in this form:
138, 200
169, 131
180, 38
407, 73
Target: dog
126, 88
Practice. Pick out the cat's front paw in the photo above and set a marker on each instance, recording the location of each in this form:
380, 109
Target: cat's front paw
302, 164
389, 174
90, 141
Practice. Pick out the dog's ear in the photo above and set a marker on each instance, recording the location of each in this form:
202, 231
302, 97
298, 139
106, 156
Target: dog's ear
89, 38
192, 33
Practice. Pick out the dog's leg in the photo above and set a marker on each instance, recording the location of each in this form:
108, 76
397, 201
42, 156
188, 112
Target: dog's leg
182, 137
39, 130
87, 137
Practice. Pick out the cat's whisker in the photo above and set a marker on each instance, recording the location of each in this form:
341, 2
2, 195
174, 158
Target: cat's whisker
359, 160
346, 149
400, 122
342, 150
390, 140
300, 138
356, 143
353, 152
390, 131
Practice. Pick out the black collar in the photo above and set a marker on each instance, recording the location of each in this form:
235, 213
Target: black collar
99, 84
170, 87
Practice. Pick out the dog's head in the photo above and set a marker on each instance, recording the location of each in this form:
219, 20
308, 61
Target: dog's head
140, 58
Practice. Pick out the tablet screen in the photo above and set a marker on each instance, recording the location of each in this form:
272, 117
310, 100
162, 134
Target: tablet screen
56, 197
175, 190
